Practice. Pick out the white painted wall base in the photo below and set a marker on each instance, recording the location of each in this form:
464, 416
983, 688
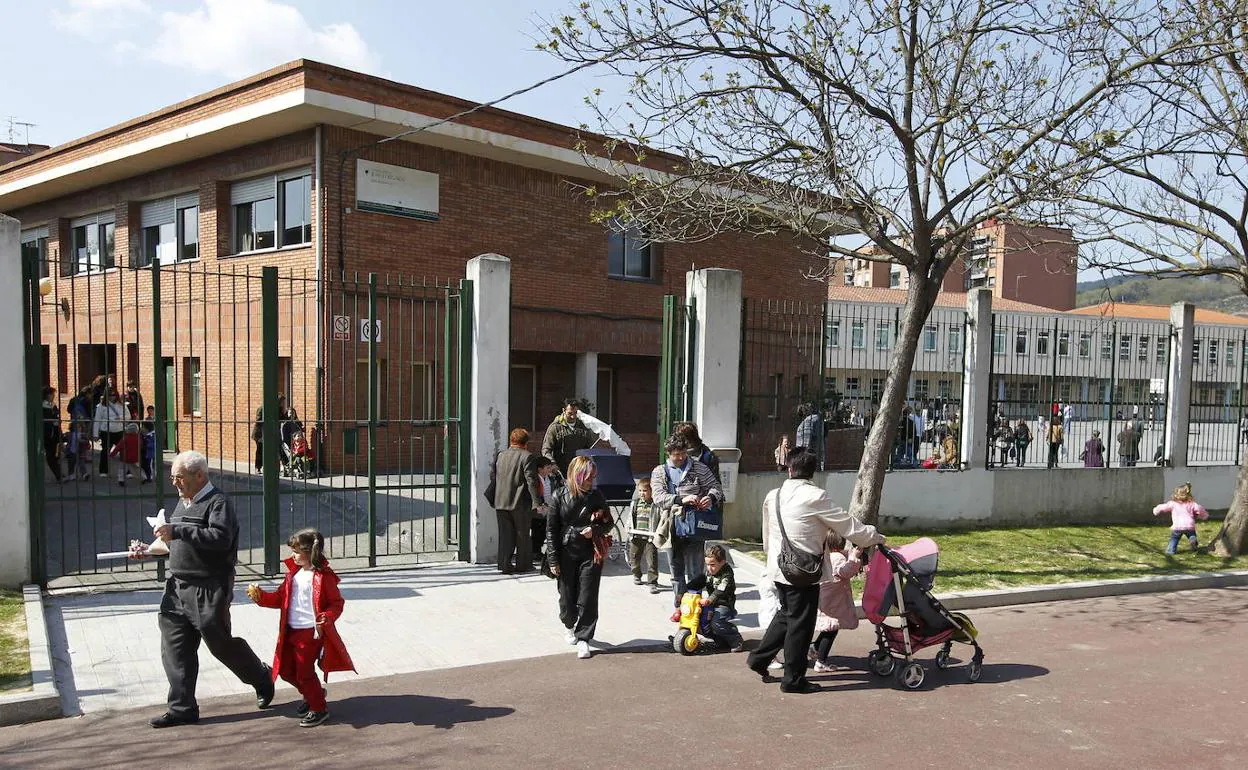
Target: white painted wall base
980, 498
491, 369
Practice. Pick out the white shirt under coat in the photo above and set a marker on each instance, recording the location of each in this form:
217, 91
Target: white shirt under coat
301, 613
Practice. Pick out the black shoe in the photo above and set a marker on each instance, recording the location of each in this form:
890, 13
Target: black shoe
636, 581
264, 693
173, 720
302, 708
801, 688
313, 718
764, 673
654, 588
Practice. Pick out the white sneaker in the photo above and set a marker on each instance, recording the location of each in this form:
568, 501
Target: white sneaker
775, 665
570, 638
823, 668
582, 650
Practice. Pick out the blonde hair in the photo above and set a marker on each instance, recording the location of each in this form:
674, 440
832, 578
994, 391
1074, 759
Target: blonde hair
581, 474
1183, 493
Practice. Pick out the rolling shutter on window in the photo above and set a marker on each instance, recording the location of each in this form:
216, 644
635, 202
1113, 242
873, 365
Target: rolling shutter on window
155, 213
252, 190
92, 219
34, 234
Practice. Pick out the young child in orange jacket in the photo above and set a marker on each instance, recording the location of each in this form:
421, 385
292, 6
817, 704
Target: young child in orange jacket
310, 603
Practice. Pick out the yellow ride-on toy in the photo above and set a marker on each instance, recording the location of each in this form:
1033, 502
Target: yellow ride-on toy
693, 616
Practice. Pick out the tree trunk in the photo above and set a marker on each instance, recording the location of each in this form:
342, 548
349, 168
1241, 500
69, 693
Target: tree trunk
869, 488
1230, 540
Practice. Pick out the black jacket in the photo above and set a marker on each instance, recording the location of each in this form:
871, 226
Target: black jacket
205, 539
722, 587
567, 517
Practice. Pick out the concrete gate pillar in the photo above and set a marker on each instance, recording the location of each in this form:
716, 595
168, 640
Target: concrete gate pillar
976, 383
587, 380
716, 296
488, 404
1178, 407
15, 514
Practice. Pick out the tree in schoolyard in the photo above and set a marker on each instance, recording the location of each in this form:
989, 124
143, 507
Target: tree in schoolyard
1167, 194
877, 129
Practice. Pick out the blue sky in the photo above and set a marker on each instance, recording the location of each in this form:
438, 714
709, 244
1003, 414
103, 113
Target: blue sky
76, 66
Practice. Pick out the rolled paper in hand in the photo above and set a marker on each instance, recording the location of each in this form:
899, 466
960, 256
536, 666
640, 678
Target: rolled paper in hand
114, 555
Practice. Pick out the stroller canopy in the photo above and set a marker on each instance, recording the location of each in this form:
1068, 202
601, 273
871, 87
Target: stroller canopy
879, 596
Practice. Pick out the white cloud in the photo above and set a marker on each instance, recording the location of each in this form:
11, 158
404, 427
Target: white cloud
237, 38
91, 17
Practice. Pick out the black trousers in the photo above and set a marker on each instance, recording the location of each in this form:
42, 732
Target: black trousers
791, 629
107, 442
537, 528
1053, 450
578, 593
50, 450
514, 538
823, 645
259, 456
189, 612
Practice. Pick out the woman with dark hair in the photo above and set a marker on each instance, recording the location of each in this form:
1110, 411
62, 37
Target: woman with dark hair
576, 546
52, 432
110, 424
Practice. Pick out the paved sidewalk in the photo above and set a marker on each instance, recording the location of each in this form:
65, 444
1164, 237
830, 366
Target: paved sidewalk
395, 622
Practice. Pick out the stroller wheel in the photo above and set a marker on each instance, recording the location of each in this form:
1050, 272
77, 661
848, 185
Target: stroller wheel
882, 664
911, 676
975, 670
942, 658
684, 642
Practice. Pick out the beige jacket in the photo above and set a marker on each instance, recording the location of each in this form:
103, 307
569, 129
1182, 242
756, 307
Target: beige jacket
808, 517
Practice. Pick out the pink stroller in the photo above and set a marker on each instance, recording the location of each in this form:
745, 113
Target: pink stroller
901, 578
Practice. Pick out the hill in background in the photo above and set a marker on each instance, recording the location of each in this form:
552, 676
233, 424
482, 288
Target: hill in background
1213, 292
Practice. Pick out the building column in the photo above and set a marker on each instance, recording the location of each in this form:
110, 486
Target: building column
976, 382
15, 513
1178, 406
587, 380
488, 405
716, 297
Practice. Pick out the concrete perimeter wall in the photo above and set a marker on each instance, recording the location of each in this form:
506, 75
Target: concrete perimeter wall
979, 498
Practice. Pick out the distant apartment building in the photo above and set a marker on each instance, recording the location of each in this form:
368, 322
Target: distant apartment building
1032, 264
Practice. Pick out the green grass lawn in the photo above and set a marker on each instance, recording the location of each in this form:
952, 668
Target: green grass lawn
14, 657
1003, 558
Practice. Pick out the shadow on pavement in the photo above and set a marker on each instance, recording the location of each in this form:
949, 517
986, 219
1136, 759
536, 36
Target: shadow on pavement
442, 713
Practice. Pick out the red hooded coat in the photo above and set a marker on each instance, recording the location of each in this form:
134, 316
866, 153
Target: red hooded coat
326, 603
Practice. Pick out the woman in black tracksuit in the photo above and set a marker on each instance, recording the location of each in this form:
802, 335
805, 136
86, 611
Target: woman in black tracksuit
576, 527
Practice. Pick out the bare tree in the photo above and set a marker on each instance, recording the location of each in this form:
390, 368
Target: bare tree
1168, 193
906, 123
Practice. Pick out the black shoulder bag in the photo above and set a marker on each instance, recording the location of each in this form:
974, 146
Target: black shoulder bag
800, 568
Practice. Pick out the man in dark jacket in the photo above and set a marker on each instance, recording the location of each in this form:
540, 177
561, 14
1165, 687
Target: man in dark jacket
517, 491
203, 547
566, 435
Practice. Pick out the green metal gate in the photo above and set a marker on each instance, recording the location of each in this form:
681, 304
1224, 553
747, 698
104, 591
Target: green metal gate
372, 372
675, 395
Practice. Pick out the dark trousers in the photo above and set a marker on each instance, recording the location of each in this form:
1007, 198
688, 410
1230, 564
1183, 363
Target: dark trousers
823, 645
791, 629
514, 539
537, 530
1021, 459
723, 631
149, 464
578, 593
1053, 450
107, 442
189, 612
640, 549
50, 450
301, 648
688, 560
259, 456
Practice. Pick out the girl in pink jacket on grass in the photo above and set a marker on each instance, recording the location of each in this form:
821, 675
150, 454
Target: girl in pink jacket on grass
1184, 511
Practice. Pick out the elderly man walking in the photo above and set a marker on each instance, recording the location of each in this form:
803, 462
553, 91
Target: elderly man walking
203, 548
808, 517
518, 492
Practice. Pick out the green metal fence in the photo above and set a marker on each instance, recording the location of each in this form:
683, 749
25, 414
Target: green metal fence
365, 378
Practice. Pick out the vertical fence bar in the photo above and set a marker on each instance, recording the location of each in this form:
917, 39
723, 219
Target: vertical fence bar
161, 398
33, 339
1239, 411
270, 427
667, 366
1113, 390
447, 325
463, 471
372, 419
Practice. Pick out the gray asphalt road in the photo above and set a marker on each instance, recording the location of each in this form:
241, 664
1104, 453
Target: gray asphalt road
1131, 682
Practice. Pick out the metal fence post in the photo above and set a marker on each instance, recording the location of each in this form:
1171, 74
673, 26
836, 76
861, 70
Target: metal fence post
372, 419
1113, 390
1239, 414
31, 301
463, 470
161, 398
448, 323
270, 426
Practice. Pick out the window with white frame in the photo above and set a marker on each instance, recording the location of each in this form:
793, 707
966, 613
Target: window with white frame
883, 335
998, 341
170, 230
877, 387
1042, 342
1107, 346
858, 335
1161, 350
35, 249
777, 382
1141, 353
921, 392
1085, 344
955, 338
92, 244
1063, 344
272, 211
1230, 354
192, 401
834, 332
851, 384
1124, 347
929, 338
944, 388
1196, 352
1213, 352
1020, 342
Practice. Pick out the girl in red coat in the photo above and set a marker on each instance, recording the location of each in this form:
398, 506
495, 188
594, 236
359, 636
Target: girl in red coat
310, 604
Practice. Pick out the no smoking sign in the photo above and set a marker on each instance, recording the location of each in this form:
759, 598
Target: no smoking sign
342, 327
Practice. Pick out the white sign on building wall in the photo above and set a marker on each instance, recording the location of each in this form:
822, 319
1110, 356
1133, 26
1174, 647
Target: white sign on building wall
405, 192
